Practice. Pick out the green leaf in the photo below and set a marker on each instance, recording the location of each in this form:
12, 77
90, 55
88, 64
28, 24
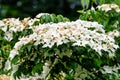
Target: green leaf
98, 62
36, 23
60, 18
65, 19
42, 19
15, 60
85, 3
94, 1
47, 18
102, 2
80, 11
37, 68
29, 47
52, 17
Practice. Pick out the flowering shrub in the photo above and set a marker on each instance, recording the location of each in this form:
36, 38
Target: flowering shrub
50, 47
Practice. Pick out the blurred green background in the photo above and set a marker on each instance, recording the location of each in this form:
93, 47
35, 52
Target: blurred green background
30, 8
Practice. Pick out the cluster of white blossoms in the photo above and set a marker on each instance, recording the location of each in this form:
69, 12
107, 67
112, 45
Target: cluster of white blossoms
108, 7
11, 25
108, 69
114, 33
80, 33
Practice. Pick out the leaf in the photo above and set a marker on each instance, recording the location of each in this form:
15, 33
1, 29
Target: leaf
53, 18
80, 11
98, 62
36, 23
42, 19
65, 19
60, 18
29, 47
37, 68
15, 60
102, 2
94, 1
85, 3
47, 18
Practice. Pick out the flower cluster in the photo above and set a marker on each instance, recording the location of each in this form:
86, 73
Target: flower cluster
11, 25
108, 7
114, 33
80, 33
108, 69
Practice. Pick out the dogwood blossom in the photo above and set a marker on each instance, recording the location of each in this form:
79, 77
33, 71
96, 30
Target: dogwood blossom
8, 36
7, 65
11, 25
108, 69
13, 53
108, 7
114, 33
1, 23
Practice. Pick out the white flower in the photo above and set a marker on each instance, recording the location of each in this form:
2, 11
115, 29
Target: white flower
108, 7
1, 23
18, 45
114, 33
108, 69
13, 29
15, 21
8, 36
7, 65
4, 29
13, 53
19, 28
46, 70
15, 68
111, 55
118, 10
114, 6
92, 8
23, 41
105, 7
